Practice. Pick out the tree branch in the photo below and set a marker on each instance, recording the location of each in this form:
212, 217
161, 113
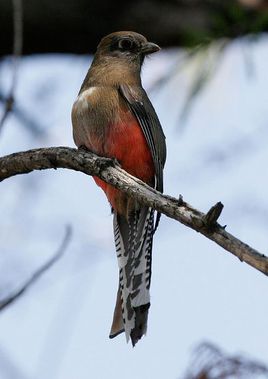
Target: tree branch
209, 362
17, 50
108, 170
38, 273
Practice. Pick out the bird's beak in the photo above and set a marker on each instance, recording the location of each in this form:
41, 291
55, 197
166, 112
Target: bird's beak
149, 48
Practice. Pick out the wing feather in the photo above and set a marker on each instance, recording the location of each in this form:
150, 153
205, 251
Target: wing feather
143, 110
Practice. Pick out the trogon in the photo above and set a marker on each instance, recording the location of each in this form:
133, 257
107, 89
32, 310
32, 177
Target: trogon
113, 117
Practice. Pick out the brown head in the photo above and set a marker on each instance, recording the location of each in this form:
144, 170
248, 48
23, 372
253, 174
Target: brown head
118, 59
130, 46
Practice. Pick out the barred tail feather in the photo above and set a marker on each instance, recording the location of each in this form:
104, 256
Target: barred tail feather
133, 241
118, 324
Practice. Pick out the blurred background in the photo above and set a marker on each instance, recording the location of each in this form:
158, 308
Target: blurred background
58, 269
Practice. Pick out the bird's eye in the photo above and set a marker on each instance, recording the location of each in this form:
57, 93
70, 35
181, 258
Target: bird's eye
126, 44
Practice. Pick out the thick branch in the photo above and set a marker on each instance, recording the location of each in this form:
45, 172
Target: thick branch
109, 171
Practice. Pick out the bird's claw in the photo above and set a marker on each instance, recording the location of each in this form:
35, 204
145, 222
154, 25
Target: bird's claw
108, 162
84, 148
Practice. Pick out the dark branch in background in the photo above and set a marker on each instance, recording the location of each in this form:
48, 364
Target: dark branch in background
9, 102
17, 51
61, 250
26, 119
209, 362
9, 365
110, 172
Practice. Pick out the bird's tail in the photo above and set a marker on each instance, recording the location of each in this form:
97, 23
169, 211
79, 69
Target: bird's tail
133, 241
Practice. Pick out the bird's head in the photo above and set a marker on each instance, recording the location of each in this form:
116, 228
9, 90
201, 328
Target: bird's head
128, 46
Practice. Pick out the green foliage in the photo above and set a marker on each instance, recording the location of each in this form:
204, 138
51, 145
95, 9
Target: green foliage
227, 20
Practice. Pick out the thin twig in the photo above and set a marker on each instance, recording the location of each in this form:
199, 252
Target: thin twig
209, 362
110, 172
36, 275
26, 119
17, 51
9, 365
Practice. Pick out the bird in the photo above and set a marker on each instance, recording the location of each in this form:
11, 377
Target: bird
114, 118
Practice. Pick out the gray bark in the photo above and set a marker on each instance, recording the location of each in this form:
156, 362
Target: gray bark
110, 172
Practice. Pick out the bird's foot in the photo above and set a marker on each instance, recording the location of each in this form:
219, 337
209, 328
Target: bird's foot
104, 162
108, 162
84, 148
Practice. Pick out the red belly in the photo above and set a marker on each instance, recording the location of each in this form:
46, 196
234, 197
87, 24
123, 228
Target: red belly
126, 143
